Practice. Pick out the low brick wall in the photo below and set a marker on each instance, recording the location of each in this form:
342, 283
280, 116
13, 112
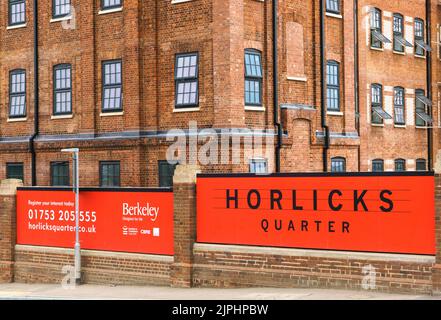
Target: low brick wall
241, 266
44, 265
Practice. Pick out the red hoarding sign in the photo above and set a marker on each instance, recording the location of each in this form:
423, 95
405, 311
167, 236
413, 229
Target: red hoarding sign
139, 222
358, 212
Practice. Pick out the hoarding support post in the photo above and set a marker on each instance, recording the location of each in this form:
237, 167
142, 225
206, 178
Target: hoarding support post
8, 208
184, 188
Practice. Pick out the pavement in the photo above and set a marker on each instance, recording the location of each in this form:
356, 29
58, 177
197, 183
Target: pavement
19, 291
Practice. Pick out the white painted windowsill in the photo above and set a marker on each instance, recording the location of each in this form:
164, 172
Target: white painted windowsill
106, 11
334, 15
334, 113
111, 114
17, 119
294, 78
179, 110
64, 116
255, 108
18, 26
61, 19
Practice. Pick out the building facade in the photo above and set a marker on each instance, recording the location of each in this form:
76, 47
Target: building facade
356, 86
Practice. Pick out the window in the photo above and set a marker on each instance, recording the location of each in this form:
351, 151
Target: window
17, 94
420, 45
253, 78
422, 105
166, 171
60, 8
258, 166
338, 164
333, 6
17, 12
378, 114
399, 106
60, 173
377, 37
14, 171
377, 165
333, 86
186, 80
110, 174
62, 89
111, 4
112, 86
421, 165
400, 165
399, 41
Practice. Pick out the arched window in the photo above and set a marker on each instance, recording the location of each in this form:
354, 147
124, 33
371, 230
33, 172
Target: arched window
333, 85
399, 113
378, 165
253, 77
338, 164
400, 165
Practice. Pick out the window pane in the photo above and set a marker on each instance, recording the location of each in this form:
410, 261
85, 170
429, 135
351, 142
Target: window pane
17, 96
14, 171
166, 171
62, 89
17, 12
377, 165
338, 165
60, 173
112, 86
186, 76
110, 174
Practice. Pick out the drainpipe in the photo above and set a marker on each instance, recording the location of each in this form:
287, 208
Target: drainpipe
36, 98
323, 85
277, 122
357, 78
429, 84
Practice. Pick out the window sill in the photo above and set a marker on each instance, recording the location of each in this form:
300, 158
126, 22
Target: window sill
106, 11
180, 1
17, 119
178, 110
380, 125
300, 78
400, 126
377, 49
335, 113
255, 108
61, 19
398, 52
111, 114
64, 116
419, 57
334, 15
17, 26
420, 127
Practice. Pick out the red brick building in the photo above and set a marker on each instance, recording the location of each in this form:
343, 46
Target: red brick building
114, 76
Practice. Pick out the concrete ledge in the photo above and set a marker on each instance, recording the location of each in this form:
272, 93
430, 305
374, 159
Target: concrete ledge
349, 255
95, 253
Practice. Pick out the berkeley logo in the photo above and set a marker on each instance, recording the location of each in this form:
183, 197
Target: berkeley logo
139, 210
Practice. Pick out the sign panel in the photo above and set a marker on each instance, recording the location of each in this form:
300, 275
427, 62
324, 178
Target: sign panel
137, 222
391, 213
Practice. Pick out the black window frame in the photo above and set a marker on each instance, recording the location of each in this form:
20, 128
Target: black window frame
329, 86
16, 165
12, 3
418, 163
418, 121
54, 5
111, 86
103, 7
338, 161
63, 66
253, 78
377, 163
418, 50
64, 164
398, 106
184, 80
329, 5
118, 176
397, 46
376, 104
17, 94
375, 43
169, 177
254, 161
398, 162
